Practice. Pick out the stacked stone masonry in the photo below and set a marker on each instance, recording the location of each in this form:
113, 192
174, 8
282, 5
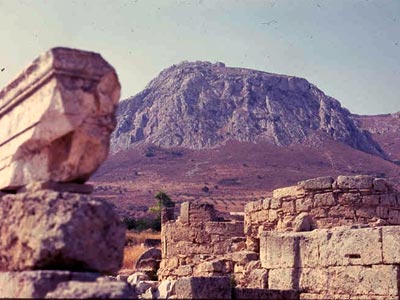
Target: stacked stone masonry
197, 243
56, 241
325, 203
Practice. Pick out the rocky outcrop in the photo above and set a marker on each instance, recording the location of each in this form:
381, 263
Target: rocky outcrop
201, 105
56, 118
59, 231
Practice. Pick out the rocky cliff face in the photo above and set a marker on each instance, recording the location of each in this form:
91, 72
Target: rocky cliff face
201, 105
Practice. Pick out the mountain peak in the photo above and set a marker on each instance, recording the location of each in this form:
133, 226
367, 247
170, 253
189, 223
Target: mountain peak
201, 105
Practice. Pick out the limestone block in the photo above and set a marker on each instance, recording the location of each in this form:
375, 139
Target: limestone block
288, 192
304, 204
227, 229
51, 230
244, 257
342, 211
278, 250
350, 199
394, 216
184, 212
312, 280
342, 247
282, 279
61, 284
380, 280
355, 182
216, 287
258, 278
166, 289
56, 118
320, 183
391, 244
185, 270
257, 293
266, 203
325, 199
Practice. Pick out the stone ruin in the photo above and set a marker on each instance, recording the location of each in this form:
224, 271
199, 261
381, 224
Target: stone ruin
56, 118
320, 239
324, 238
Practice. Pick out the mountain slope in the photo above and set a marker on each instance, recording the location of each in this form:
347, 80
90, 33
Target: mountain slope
385, 129
200, 105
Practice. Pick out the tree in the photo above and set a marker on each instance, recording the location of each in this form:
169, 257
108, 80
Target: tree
162, 200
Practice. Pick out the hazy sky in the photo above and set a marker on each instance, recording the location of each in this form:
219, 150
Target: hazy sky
348, 48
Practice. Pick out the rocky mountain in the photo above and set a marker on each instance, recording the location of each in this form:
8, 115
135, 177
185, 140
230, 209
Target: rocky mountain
200, 105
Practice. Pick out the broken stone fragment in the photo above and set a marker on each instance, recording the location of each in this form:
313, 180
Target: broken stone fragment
56, 118
62, 285
59, 231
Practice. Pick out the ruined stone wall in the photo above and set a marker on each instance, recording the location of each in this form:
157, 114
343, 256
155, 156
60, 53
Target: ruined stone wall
192, 244
324, 203
340, 263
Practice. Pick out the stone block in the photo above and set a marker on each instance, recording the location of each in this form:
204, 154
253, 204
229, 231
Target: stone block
258, 278
391, 244
325, 199
342, 211
355, 182
320, 183
288, 192
342, 247
282, 279
186, 270
56, 118
184, 212
312, 280
394, 217
375, 280
257, 293
304, 204
244, 257
51, 230
279, 250
266, 203
216, 287
61, 284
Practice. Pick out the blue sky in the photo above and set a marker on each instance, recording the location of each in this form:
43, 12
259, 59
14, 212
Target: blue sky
348, 48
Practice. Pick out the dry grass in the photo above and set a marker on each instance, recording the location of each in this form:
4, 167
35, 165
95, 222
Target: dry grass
134, 247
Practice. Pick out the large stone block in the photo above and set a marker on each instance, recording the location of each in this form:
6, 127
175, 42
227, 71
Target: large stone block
289, 250
342, 247
391, 244
379, 280
320, 183
62, 285
56, 118
355, 182
51, 230
217, 287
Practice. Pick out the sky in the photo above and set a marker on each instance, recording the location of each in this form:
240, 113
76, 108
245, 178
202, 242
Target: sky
350, 49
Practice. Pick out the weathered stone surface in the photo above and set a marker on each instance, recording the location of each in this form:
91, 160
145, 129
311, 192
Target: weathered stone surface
391, 244
165, 289
351, 247
56, 118
61, 284
319, 183
258, 293
303, 222
217, 287
354, 182
51, 230
364, 280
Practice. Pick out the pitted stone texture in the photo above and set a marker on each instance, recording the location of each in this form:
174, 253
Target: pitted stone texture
61, 284
56, 118
51, 230
218, 287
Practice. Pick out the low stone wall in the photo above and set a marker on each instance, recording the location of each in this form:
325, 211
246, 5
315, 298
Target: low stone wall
361, 262
197, 244
324, 203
